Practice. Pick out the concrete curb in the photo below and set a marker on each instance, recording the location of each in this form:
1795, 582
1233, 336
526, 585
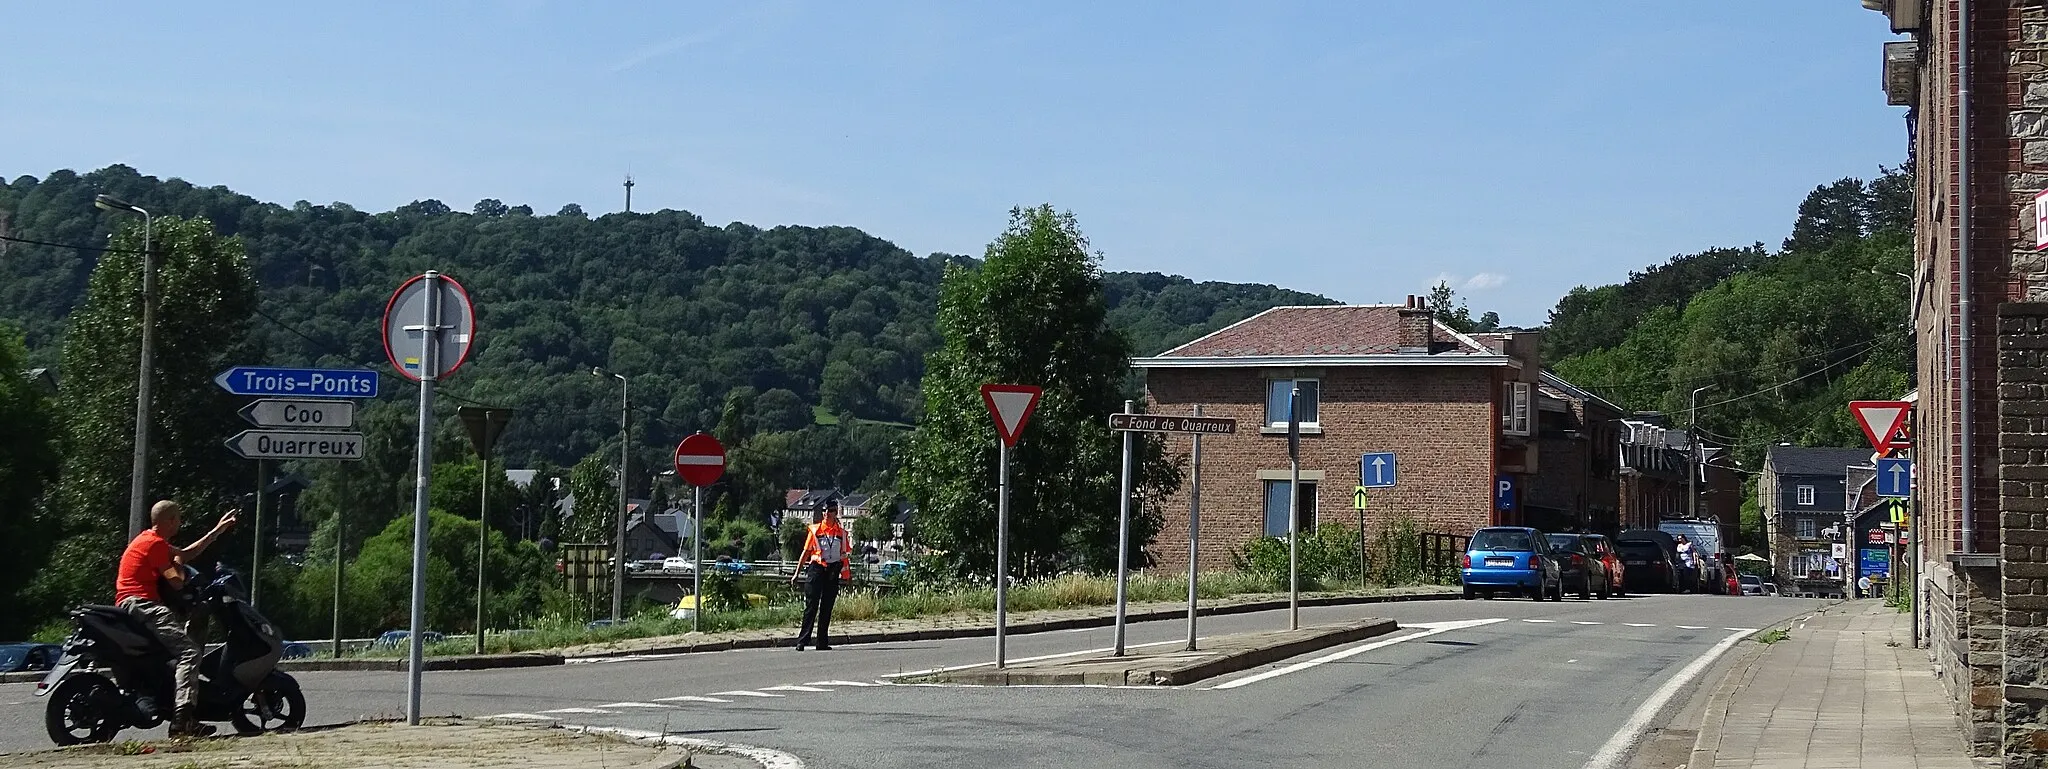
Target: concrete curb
546, 659
1741, 670
1178, 674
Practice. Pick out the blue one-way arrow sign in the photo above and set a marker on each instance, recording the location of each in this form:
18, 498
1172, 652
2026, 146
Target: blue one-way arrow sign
1895, 478
1376, 470
299, 382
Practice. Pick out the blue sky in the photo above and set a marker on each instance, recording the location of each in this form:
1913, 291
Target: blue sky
1361, 150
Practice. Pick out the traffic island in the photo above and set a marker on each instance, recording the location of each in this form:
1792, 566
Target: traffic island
1167, 666
434, 744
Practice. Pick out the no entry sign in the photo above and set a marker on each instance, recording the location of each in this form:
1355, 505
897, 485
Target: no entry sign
700, 460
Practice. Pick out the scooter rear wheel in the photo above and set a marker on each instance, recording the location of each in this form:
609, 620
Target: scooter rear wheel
83, 708
277, 707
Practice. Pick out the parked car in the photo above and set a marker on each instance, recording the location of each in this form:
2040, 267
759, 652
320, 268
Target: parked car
394, 638
1510, 559
726, 565
1751, 584
893, 569
1648, 565
678, 563
1705, 537
1578, 565
1617, 572
297, 650
20, 657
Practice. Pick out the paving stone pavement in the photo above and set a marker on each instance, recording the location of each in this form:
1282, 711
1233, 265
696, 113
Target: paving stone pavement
1845, 690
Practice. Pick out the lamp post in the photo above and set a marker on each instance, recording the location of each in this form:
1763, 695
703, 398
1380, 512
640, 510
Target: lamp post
138, 481
1692, 470
619, 542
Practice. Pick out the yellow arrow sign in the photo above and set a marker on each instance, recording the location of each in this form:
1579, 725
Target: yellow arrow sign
1358, 497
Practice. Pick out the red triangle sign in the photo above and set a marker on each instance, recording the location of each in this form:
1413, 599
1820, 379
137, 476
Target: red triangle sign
1011, 405
1881, 420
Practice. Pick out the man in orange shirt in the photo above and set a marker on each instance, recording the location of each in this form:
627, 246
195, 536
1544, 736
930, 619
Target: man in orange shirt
151, 565
824, 564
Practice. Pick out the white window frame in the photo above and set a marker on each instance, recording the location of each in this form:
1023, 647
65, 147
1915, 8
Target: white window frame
1515, 402
1314, 402
1805, 495
1805, 527
1308, 515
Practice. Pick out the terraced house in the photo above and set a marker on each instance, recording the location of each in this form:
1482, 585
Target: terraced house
1463, 414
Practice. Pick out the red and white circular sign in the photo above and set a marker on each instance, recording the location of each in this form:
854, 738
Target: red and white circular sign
700, 460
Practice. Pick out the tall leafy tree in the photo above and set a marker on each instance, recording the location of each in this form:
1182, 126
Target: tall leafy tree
206, 297
28, 466
595, 501
1033, 313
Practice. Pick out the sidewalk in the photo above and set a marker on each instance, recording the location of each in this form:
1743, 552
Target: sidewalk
435, 744
1846, 689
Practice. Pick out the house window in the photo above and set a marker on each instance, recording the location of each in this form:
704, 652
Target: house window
1276, 508
1806, 495
1806, 528
1280, 391
1514, 408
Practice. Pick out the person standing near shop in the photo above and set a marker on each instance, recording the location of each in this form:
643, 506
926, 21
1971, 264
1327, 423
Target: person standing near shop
823, 565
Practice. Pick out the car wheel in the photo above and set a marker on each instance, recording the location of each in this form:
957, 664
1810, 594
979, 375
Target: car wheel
1557, 594
1541, 592
1470, 594
1586, 587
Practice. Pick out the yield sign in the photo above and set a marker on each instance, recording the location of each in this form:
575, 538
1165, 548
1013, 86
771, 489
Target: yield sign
1012, 406
1881, 421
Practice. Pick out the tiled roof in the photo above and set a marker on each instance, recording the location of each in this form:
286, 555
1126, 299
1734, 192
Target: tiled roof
1363, 329
1800, 460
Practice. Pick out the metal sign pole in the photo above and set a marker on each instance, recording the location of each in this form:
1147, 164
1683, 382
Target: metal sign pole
256, 536
1123, 538
697, 558
483, 532
619, 543
1294, 509
1194, 528
430, 368
1002, 549
338, 564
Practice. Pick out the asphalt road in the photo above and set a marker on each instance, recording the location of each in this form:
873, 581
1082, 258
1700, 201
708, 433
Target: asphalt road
1466, 683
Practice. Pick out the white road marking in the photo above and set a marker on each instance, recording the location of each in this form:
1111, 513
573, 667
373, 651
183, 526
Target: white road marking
952, 668
1610, 755
844, 683
1638, 624
623, 658
518, 717
1583, 622
1741, 629
1692, 627
690, 698
1078, 630
1429, 629
577, 710
743, 693
1539, 621
766, 757
637, 705
793, 688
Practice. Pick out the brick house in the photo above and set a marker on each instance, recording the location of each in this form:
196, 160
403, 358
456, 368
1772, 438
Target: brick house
1457, 410
1973, 77
1578, 486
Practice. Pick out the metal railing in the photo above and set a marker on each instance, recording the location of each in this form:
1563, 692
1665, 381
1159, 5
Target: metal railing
1440, 554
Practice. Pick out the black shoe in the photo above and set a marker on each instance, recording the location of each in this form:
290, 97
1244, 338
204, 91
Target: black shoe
799, 647
824, 648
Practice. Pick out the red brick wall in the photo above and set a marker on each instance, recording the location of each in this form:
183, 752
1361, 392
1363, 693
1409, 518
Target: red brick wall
1438, 420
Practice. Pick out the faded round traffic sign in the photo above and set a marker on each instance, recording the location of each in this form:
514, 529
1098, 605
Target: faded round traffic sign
700, 460
405, 322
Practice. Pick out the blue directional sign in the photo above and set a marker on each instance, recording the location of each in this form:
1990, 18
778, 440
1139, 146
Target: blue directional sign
1376, 470
299, 382
1895, 478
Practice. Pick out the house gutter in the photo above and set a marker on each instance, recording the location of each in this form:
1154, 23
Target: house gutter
1963, 396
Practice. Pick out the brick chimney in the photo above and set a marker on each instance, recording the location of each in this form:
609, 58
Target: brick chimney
1417, 332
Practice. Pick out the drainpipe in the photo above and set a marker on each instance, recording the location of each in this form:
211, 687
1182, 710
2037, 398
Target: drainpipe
1969, 468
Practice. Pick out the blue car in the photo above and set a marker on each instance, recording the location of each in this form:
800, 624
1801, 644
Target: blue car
1510, 559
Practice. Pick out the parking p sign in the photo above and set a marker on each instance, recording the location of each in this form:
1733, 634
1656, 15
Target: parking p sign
1504, 493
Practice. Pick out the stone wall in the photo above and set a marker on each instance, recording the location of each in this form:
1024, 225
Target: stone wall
2023, 527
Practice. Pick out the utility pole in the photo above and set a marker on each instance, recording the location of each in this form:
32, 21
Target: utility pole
1692, 472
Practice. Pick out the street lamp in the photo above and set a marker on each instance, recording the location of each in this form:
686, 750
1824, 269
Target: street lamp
619, 544
138, 481
1692, 473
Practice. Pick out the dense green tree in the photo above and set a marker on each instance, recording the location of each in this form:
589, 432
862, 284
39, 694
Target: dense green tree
1033, 313
28, 466
594, 511
206, 296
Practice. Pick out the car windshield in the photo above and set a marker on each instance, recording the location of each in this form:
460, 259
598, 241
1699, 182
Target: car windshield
10, 656
1564, 542
1501, 539
1705, 537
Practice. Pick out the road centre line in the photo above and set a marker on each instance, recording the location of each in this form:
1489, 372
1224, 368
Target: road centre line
1610, 754
578, 710
1539, 621
1638, 624
1691, 627
1430, 629
1583, 622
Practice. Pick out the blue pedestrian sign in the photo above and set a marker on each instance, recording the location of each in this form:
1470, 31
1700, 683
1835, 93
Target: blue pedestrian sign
299, 382
1376, 470
1895, 478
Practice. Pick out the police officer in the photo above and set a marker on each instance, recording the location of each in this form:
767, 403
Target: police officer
823, 564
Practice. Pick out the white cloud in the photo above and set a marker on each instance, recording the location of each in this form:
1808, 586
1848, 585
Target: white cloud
1484, 281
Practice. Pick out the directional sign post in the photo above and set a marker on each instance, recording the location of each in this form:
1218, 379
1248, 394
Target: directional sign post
485, 426
316, 414
1012, 405
299, 382
700, 460
1894, 478
1376, 470
293, 444
429, 325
